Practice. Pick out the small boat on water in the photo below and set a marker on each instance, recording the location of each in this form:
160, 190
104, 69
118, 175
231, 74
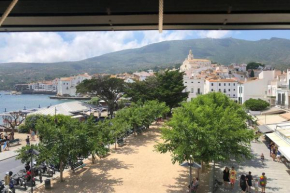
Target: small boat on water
15, 93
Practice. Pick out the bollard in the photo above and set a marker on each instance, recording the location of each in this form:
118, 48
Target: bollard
47, 184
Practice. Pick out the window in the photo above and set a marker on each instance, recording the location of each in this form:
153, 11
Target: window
212, 84
198, 82
224, 84
185, 82
225, 90
234, 84
240, 89
211, 90
191, 82
229, 89
234, 89
191, 90
219, 90
219, 84
229, 84
63, 83
234, 95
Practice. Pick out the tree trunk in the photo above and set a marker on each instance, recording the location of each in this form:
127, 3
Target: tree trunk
61, 171
93, 158
213, 174
116, 143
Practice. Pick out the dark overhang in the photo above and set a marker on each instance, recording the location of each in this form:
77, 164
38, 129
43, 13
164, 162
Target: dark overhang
113, 15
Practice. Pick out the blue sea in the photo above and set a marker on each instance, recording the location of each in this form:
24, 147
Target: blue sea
26, 101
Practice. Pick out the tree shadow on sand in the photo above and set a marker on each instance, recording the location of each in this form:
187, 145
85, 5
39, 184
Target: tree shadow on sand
92, 178
144, 138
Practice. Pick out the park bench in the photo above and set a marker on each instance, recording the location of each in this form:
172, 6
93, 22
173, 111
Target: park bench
78, 165
14, 141
121, 142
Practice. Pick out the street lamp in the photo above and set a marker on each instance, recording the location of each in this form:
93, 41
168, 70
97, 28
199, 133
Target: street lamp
191, 165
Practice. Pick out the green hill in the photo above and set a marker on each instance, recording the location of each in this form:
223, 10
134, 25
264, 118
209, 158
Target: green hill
275, 51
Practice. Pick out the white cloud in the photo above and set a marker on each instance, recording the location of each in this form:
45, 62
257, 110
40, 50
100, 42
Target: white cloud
72, 46
214, 34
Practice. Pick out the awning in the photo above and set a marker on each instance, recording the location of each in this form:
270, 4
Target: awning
278, 140
285, 151
272, 111
265, 129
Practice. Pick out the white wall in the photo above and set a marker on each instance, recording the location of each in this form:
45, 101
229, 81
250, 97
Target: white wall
192, 86
228, 88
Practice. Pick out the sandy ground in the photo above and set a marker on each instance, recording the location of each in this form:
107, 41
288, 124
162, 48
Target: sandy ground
135, 167
22, 137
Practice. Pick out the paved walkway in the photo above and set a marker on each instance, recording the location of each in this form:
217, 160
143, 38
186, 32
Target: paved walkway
278, 177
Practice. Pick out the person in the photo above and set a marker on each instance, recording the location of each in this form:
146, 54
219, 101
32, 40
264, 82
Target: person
226, 176
262, 158
274, 153
243, 183
263, 182
32, 135
256, 185
279, 156
7, 179
27, 166
233, 176
27, 140
194, 185
249, 178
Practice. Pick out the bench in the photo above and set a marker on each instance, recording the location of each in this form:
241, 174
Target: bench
14, 141
78, 165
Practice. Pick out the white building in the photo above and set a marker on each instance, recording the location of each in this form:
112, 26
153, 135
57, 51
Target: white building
191, 63
256, 88
67, 85
226, 86
141, 76
194, 86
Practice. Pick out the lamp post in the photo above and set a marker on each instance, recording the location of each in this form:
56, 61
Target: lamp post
191, 165
190, 170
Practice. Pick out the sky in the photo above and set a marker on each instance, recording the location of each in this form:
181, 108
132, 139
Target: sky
40, 47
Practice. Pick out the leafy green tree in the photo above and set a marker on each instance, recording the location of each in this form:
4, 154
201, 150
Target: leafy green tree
118, 128
210, 127
106, 88
165, 87
256, 104
98, 136
254, 65
30, 123
94, 101
63, 139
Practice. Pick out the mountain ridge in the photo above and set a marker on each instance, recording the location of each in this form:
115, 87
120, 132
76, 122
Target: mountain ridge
274, 51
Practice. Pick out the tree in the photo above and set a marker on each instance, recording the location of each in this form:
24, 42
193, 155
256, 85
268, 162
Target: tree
63, 140
106, 88
30, 122
210, 127
256, 104
98, 136
94, 101
12, 120
118, 128
165, 87
252, 74
254, 65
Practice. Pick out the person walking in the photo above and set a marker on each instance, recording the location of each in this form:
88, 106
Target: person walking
262, 158
249, 179
263, 182
243, 183
7, 179
27, 140
233, 177
226, 176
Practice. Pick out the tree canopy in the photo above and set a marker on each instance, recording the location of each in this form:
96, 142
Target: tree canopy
254, 65
106, 88
256, 104
165, 87
210, 127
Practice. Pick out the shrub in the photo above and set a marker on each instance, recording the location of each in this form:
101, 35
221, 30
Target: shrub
256, 104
